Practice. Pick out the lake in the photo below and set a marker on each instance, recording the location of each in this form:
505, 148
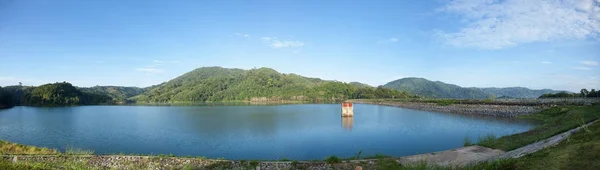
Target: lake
302, 131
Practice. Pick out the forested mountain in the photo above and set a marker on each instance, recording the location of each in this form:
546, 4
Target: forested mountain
583, 93
54, 94
117, 93
5, 99
424, 87
437, 89
517, 92
263, 84
18, 92
359, 84
255, 85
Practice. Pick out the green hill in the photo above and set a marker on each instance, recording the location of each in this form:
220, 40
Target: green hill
437, 89
359, 84
54, 94
117, 93
517, 92
263, 84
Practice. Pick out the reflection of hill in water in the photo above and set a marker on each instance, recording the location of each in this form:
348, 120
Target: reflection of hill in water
254, 122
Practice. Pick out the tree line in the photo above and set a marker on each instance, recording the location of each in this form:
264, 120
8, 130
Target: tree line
5, 99
582, 93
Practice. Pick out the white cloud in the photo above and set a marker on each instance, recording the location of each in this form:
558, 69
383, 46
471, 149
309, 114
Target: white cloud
242, 35
276, 43
285, 44
589, 63
494, 24
581, 68
149, 70
546, 62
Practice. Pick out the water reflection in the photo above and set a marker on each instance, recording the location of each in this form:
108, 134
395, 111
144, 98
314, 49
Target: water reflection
347, 122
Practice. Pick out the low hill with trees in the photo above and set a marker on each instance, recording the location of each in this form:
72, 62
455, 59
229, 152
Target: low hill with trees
438, 89
583, 93
118, 94
259, 85
54, 94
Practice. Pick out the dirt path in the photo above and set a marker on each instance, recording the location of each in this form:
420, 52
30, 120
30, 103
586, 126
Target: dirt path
534, 147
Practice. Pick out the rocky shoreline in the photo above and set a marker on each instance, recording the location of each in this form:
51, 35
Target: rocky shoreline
467, 109
160, 163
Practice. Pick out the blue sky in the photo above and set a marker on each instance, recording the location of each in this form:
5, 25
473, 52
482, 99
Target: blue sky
535, 43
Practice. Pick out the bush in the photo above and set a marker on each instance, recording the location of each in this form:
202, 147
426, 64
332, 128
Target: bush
333, 160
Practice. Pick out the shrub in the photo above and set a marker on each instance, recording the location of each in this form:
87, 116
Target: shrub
332, 160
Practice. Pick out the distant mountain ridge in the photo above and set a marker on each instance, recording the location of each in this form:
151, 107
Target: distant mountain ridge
255, 85
438, 89
517, 92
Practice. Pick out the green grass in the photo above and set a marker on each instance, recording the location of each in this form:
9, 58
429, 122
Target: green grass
467, 141
579, 151
358, 154
254, 163
553, 121
70, 150
487, 140
19, 149
332, 160
66, 164
445, 102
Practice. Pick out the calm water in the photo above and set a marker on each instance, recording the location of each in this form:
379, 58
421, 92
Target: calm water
307, 131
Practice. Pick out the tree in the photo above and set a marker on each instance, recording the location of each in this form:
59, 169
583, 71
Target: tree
5, 99
584, 92
592, 93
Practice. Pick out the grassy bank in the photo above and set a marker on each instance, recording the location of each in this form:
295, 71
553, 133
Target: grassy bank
580, 151
553, 121
7, 148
